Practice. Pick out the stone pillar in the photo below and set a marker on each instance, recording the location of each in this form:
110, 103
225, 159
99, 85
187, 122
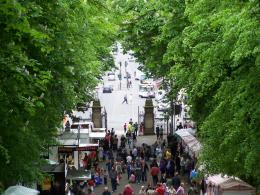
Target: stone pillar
148, 118
96, 114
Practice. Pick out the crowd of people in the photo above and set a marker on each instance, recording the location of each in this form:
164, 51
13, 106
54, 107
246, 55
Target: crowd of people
159, 169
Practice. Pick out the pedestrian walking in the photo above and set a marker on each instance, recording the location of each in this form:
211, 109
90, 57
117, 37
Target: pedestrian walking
125, 99
155, 172
142, 191
157, 129
176, 181
161, 132
136, 128
180, 190
106, 191
128, 190
125, 127
105, 177
145, 168
138, 172
113, 177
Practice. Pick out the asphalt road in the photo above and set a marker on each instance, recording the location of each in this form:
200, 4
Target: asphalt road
118, 113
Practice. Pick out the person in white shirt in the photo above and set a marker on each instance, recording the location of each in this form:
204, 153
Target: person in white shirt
129, 159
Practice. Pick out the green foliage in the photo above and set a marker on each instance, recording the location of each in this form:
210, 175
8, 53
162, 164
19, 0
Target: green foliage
210, 48
50, 57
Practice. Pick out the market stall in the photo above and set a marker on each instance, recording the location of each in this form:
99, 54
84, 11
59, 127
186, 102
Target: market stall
98, 130
190, 142
224, 185
73, 154
95, 137
79, 175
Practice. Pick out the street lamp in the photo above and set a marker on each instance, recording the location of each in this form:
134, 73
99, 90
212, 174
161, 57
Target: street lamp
127, 85
78, 137
120, 75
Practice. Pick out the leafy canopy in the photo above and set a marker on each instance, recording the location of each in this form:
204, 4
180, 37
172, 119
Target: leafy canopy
51, 54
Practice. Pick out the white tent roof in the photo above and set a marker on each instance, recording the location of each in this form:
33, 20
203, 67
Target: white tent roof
98, 130
20, 190
192, 143
229, 183
97, 135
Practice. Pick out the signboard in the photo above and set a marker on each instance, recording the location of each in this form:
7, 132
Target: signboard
72, 149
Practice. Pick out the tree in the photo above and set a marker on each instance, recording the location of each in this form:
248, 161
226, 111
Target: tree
50, 57
212, 50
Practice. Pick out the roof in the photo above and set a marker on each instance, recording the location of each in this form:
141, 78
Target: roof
74, 174
97, 135
53, 168
229, 183
192, 142
98, 130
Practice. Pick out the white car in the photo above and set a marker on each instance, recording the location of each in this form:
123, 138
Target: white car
159, 115
146, 91
163, 106
111, 76
83, 127
159, 96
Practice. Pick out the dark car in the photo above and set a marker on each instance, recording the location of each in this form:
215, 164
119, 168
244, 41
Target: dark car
107, 89
82, 107
128, 75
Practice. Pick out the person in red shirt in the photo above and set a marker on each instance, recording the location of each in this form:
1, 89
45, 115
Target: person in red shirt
154, 172
91, 184
160, 189
128, 190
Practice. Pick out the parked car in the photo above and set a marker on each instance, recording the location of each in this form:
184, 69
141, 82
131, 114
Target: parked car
128, 75
83, 126
159, 96
107, 89
111, 76
162, 106
82, 107
131, 59
146, 91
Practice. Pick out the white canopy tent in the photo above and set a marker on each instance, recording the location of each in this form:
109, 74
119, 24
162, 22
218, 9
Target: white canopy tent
224, 185
192, 143
20, 190
97, 135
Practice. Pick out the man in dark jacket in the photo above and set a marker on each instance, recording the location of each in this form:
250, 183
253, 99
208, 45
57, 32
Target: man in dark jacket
157, 131
106, 192
176, 181
113, 177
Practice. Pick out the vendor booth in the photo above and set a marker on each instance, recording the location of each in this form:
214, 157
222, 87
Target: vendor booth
54, 182
224, 185
95, 137
78, 175
98, 130
191, 144
73, 154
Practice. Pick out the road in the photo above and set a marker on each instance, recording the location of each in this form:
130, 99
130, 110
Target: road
118, 113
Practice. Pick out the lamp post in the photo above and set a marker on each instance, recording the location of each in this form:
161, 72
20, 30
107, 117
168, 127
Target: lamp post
78, 136
120, 77
127, 85
172, 130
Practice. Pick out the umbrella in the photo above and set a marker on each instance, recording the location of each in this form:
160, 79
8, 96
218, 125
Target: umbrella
20, 190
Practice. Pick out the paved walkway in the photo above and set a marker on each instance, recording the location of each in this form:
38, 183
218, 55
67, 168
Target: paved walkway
98, 190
